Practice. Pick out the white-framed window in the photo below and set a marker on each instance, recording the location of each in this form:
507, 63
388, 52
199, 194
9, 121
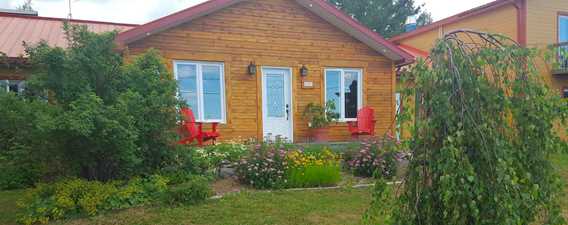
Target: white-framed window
202, 86
16, 86
345, 88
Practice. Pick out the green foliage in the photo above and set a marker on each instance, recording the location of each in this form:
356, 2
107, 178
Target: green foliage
386, 17
314, 176
376, 157
74, 197
226, 153
313, 168
193, 191
320, 116
22, 130
484, 133
265, 166
104, 119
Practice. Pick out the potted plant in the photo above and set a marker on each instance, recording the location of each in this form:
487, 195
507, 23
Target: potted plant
319, 118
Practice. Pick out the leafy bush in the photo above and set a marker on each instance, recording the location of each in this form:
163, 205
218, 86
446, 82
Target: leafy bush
314, 176
376, 157
22, 131
313, 169
265, 166
193, 191
320, 116
226, 153
103, 119
73, 197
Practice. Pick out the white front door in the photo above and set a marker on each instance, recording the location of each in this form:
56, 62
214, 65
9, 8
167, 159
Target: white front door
277, 103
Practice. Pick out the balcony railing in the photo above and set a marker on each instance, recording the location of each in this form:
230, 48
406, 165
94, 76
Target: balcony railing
561, 67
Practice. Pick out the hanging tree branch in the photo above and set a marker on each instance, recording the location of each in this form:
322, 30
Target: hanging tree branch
484, 131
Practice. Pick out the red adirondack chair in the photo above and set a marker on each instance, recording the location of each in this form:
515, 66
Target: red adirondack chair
365, 124
194, 130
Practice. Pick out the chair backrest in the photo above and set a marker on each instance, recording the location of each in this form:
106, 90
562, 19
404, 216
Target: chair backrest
189, 122
366, 120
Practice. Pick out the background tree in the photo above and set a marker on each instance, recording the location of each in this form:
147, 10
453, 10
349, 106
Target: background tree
27, 6
386, 17
484, 134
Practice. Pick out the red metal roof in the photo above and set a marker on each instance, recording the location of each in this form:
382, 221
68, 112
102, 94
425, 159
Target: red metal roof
16, 29
320, 7
455, 18
416, 53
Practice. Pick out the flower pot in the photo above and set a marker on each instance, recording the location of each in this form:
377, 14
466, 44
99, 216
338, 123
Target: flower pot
320, 135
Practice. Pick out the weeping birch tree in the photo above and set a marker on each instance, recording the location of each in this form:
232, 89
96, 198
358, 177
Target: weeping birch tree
485, 128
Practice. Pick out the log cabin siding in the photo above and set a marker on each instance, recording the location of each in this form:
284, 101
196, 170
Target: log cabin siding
502, 21
278, 33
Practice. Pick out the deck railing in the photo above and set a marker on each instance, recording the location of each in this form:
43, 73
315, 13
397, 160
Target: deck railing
562, 63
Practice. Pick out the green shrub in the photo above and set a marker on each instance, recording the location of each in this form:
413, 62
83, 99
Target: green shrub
314, 168
69, 197
376, 157
314, 176
190, 159
76, 197
105, 119
226, 153
265, 167
191, 192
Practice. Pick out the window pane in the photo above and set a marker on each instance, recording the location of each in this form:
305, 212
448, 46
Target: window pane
275, 96
187, 77
212, 92
563, 28
333, 88
351, 94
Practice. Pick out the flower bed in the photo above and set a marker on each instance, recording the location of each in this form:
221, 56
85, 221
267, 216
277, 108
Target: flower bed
316, 169
279, 165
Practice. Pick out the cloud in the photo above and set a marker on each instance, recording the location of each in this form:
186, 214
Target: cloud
125, 11
142, 11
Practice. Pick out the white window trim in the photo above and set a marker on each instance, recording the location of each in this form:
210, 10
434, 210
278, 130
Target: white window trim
199, 76
342, 90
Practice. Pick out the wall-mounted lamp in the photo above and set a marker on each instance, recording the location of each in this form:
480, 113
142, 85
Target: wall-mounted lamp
304, 71
252, 69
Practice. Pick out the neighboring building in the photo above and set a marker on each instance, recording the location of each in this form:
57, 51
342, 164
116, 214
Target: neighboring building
238, 62
532, 23
17, 27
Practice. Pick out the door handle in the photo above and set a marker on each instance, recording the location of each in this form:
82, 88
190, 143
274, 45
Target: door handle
287, 112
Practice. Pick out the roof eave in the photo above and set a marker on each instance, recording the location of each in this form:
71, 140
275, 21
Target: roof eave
173, 20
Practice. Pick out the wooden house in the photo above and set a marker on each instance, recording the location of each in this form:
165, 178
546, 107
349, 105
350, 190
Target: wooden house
254, 65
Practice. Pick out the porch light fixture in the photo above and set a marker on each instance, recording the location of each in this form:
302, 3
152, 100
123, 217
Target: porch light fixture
252, 69
304, 71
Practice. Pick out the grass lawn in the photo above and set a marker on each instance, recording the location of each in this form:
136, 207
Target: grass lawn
307, 207
341, 206
8, 209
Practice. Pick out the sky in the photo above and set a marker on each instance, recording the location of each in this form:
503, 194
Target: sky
142, 11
